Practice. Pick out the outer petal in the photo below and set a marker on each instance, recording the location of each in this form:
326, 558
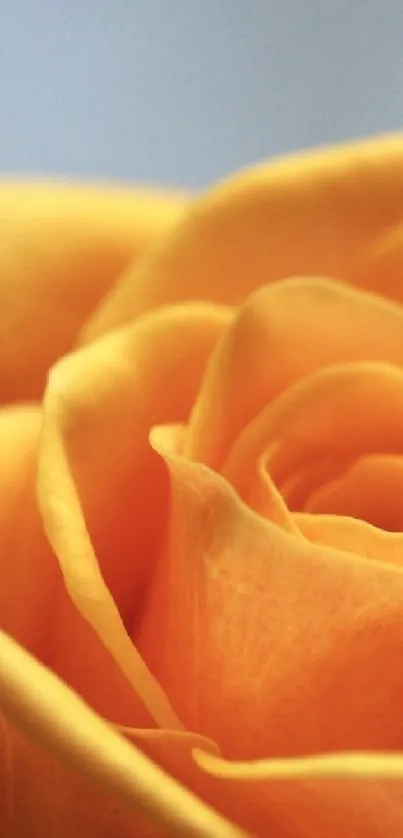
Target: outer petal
359, 795
61, 248
29, 579
56, 719
104, 493
34, 605
43, 792
310, 213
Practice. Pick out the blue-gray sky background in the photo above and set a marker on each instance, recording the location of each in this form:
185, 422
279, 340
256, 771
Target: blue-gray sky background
184, 91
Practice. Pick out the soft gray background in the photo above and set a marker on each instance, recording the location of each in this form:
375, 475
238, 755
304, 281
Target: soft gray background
183, 91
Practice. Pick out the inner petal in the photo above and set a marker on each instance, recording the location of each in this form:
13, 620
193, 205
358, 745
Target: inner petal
371, 489
280, 336
296, 489
323, 413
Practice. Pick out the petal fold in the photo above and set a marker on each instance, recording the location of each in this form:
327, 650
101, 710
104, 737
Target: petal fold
103, 492
280, 335
308, 213
54, 717
316, 633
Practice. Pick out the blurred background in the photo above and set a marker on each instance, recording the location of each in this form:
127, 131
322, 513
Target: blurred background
184, 91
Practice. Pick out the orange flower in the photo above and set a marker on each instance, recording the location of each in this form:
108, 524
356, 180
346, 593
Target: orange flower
201, 524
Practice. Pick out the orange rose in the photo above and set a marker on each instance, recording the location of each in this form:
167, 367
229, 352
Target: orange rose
201, 523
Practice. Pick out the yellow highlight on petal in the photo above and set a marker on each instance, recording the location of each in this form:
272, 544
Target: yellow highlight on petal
50, 713
68, 535
348, 766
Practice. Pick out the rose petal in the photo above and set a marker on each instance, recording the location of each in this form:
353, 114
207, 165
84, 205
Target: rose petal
322, 416
264, 497
29, 580
352, 535
306, 213
281, 335
62, 247
103, 492
296, 489
380, 267
371, 489
57, 719
34, 605
266, 643
357, 795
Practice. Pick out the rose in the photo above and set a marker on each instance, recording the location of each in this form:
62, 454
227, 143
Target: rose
237, 582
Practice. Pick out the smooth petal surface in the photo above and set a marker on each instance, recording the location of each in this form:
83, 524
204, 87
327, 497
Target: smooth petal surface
344, 410
264, 497
201, 611
370, 489
34, 604
71, 542
58, 720
280, 335
104, 493
29, 581
296, 489
310, 213
62, 247
352, 536
317, 634
359, 795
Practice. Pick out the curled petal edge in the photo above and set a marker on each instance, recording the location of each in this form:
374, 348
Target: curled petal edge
50, 713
